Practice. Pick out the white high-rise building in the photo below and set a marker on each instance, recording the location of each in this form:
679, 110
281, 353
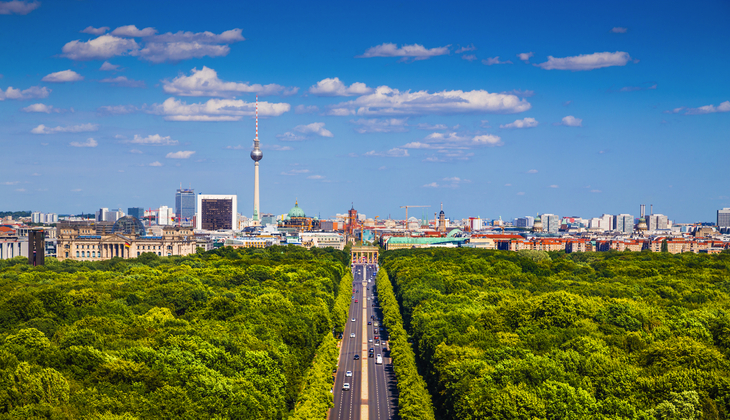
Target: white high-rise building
550, 222
623, 223
723, 217
606, 222
165, 216
657, 222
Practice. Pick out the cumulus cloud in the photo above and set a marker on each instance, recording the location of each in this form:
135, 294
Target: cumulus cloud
335, 87
449, 182
183, 154
586, 61
523, 93
88, 143
123, 81
453, 140
469, 57
431, 185
215, 110
494, 60
394, 152
205, 82
427, 126
95, 31
63, 76
707, 109
619, 30
315, 177
289, 136
387, 101
107, 66
171, 47
155, 164
415, 51
523, 123
132, 31
525, 56
101, 48
42, 129
302, 109
571, 121
532, 171
136, 151
645, 86
153, 140
313, 128
386, 125
41, 108
17, 7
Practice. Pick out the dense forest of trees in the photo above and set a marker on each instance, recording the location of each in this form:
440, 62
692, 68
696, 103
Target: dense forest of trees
505, 335
244, 334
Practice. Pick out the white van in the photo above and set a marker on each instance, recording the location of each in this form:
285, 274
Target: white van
378, 360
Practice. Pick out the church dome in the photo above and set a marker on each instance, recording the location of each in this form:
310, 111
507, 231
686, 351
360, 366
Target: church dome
295, 211
129, 225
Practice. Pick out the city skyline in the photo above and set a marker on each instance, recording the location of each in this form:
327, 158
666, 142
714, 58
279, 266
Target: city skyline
495, 110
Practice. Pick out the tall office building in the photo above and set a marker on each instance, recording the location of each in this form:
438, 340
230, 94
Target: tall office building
185, 207
550, 223
256, 155
606, 222
136, 212
723, 217
165, 216
216, 212
657, 222
623, 223
36, 247
525, 222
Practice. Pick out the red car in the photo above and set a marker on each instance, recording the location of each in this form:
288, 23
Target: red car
355, 300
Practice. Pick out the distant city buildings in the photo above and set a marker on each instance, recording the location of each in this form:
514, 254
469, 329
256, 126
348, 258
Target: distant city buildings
136, 212
723, 217
106, 215
623, 223
524, 222
43, 218
550, 222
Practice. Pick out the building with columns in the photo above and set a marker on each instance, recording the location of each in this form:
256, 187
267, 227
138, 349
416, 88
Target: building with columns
83, 242
364, 255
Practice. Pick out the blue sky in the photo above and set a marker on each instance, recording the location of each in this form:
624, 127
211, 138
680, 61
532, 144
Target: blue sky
380, 104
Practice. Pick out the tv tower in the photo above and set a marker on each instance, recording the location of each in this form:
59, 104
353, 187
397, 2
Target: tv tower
256, 155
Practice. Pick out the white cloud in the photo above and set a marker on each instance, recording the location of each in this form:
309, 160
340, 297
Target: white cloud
11, 182
88, 143
469, 57
619, 30
289, 136
107, 66
521, 193
387, 125
417, 145
532, 171
553, 186
494, 60
185, 45
487, 140
101, 48
41, 108
182, 154
335, 87
17, 7
123, 82
571, 121
292, 172
523, 123
205, 82
394, 152
415, 51
431, 185
216, 110
132, 31
314, 128
586, 61
136, 151
239, 147
155, 163
469, 47
42, 129
387, 101
153, 140
315, 177
226, 37
453, 140
302, 109
63, 76
707, 109
596, 191
32, 92
35, 174
636, 88
525, 56
451, 182
276, 147
76, 190
95, 31
117, 109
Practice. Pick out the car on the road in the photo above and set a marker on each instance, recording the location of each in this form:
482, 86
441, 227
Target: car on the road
372, 349
371, 354
370, 340
346, 386
377, 337
376, 343
352, 335
370, 323
353, 319
379, 359
348, 373
357, 357
355, 300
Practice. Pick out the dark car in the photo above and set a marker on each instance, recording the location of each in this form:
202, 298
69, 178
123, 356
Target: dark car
357, 357
371, 354
370, 323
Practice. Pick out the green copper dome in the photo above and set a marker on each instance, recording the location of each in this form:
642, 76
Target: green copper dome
295, 211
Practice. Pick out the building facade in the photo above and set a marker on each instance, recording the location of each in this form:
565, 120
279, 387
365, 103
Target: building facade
623, 223
185, 207
550, 222
723, 217
216, 212
82, 242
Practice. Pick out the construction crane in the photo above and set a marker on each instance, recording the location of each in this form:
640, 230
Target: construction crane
406, 207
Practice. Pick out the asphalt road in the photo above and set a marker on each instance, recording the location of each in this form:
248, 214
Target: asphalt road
373, 391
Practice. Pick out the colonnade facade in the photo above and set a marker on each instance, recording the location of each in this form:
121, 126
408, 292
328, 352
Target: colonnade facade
364, 255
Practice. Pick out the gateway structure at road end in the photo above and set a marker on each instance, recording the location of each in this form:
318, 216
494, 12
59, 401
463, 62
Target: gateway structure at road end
364, 255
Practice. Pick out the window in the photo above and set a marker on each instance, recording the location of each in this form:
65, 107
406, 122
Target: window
93, 254
77, 254
66, 254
